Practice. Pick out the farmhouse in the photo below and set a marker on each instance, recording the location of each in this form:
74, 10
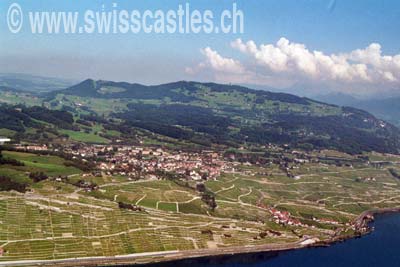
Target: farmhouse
4, 140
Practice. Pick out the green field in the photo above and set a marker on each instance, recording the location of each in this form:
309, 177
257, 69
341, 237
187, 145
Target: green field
51, 165
85, 137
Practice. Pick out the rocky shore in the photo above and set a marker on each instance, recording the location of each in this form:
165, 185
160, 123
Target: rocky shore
361, 225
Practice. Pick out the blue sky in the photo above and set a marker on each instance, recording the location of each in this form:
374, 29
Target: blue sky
332, 27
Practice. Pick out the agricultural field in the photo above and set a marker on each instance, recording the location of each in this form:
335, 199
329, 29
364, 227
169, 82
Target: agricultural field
100, 106
51, 165
6, 132
55, 220
73, 225
14, 98
328, 192
81, 136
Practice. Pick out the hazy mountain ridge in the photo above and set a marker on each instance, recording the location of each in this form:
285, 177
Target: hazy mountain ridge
176, 110
384, 108
33, 83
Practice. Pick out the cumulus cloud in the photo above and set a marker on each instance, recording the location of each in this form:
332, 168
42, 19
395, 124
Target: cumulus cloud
293, 63
217, 63
387, 67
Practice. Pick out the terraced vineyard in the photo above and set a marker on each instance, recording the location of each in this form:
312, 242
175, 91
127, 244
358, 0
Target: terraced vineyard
56, 220
37, 227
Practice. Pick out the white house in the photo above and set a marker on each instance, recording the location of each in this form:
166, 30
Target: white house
4, 140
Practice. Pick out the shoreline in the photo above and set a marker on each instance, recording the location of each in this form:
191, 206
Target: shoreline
361, 223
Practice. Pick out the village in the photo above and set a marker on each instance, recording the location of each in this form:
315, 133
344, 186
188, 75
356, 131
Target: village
147, 162
143, 162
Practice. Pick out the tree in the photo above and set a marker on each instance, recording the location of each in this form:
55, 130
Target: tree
38, 176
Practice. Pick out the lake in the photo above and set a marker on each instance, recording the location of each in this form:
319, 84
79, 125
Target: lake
380, 248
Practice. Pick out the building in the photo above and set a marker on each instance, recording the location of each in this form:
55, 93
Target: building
4, 140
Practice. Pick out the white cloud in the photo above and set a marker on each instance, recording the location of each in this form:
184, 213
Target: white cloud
287, 62
219, 63
296, 59
386, 67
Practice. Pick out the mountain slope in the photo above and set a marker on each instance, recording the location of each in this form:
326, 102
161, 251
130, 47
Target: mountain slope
115, 90
386, 109
232, 115
339, 99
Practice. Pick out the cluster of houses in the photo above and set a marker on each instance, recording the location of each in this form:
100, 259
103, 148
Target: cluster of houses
141, 161
284, 218
32, 147
326, 221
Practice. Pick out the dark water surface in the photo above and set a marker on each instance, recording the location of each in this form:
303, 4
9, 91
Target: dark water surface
380, 248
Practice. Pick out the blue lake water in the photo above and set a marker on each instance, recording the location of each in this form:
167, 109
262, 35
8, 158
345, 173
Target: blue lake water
380, 248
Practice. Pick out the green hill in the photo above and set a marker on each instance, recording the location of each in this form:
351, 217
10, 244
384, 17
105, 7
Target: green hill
207, 113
